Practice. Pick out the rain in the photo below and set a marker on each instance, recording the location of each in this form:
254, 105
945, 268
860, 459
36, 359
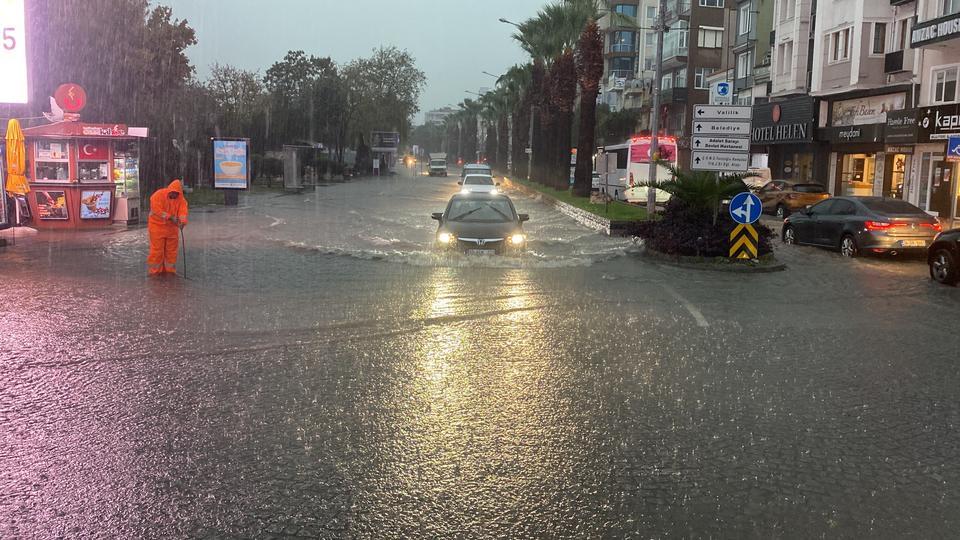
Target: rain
285, 348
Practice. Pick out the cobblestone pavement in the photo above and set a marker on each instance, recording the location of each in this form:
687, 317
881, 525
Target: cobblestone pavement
322, 374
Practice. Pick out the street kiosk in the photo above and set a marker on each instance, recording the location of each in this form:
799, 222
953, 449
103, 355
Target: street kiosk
83, 176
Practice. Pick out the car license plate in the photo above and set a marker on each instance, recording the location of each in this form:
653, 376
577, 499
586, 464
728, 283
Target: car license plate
481, 251
913, 243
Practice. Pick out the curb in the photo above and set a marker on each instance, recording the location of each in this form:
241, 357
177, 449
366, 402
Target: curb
587, 219
709, 265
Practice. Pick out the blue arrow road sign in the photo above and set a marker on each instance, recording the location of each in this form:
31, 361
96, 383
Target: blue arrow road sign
745, 208
953, 148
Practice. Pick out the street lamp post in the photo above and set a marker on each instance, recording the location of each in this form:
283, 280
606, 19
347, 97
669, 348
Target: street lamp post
661, 27
533, 116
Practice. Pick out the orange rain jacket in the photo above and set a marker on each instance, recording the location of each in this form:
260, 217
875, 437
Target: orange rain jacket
167, 214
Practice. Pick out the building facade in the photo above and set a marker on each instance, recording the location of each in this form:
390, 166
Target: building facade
438, 116
629, 54
694, 49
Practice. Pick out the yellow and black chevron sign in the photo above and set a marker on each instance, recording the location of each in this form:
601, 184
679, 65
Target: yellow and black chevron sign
743, 242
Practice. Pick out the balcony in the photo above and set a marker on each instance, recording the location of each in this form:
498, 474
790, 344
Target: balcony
623, 48
893, 62
673, 95
677, 9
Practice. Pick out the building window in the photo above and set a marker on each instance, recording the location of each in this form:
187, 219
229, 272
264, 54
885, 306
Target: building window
786, 9
839, 45
903, 34
629, 10
745, 97
622, 68
945, 85
700, 76
785, 58
710, 38
951, 7
744, 65
666, 83
684, 35
622, 41
744, 20
879, 38
649, 39
681, 79
651, 13
648, 64
711, 3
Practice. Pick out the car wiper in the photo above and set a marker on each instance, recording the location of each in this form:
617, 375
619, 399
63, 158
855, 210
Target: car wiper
461, 216
506, 217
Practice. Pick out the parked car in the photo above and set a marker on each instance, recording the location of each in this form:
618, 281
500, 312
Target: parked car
782, 198
944, 257
481, 224
856, 225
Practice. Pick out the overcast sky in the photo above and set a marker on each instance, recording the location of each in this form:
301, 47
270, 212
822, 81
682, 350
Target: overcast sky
454, 41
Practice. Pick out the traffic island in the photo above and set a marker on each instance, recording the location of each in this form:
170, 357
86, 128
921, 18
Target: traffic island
765, 264
613, 219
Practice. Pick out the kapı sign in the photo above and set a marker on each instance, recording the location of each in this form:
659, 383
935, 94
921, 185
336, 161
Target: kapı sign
13, 53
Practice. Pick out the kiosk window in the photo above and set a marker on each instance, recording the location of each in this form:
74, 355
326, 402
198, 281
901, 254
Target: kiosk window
52, 160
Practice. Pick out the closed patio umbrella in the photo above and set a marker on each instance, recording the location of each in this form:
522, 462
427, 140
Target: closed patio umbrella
16, 160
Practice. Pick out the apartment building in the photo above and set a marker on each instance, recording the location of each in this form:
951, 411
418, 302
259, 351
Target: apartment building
752, 50
851, 41
784, 138
629, 53
694, 49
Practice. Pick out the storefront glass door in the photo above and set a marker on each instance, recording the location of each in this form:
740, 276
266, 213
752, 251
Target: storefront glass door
894, 176
856, 174
942, 192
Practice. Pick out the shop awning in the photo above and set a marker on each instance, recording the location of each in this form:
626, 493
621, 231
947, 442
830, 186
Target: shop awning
82, 129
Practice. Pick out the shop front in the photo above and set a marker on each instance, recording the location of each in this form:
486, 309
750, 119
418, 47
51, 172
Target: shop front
859, 162
785, 131
83, 176
900, 139
937, 173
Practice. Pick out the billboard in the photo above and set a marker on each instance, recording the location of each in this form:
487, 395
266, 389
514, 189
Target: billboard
95, 204
13, 52
231, 163
384, 141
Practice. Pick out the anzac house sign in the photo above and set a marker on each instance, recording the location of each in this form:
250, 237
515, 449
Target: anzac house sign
935, 30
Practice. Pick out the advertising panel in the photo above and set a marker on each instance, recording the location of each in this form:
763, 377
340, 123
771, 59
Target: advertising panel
52, 205
231, 169
95, 204
867, 110
13, 53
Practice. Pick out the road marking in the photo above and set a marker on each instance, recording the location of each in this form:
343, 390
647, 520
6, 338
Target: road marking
701, 320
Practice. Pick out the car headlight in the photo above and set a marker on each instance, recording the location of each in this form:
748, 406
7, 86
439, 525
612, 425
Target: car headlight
518, 239
444, 238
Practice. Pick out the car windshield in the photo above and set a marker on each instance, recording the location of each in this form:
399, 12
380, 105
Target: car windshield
478, 181
480, 210
892, 206
438, 163
809, 188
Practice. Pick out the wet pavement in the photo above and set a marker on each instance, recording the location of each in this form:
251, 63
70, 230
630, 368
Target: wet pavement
323, 374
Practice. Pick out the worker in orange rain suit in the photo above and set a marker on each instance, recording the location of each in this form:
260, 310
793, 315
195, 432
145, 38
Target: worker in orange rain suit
168, 214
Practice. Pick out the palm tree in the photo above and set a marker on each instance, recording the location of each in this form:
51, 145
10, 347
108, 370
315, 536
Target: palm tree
589, 72
702, 192
563, 79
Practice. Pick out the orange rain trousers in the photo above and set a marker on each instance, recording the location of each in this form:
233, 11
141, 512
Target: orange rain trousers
163, 253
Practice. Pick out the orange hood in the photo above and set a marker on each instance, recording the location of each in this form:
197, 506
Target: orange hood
177, 186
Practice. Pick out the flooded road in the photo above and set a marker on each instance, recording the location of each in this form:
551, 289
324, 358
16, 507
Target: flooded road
324, 374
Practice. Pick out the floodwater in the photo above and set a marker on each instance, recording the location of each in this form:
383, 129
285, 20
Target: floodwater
323, 374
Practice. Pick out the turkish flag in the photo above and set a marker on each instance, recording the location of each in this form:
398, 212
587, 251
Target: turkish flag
93, 151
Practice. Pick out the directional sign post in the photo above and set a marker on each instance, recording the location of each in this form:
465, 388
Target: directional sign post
953, 148
721, 138
745, 210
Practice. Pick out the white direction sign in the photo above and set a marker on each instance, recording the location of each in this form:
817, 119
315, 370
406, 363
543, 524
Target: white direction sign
723, 112
721, 144
13, 55
719, 161
711, 127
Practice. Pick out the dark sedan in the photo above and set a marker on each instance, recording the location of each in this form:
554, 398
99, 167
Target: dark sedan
481, 224
856, 225
944, 258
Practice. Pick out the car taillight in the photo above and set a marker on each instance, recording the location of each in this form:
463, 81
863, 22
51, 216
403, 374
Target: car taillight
935, 226
882, 225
